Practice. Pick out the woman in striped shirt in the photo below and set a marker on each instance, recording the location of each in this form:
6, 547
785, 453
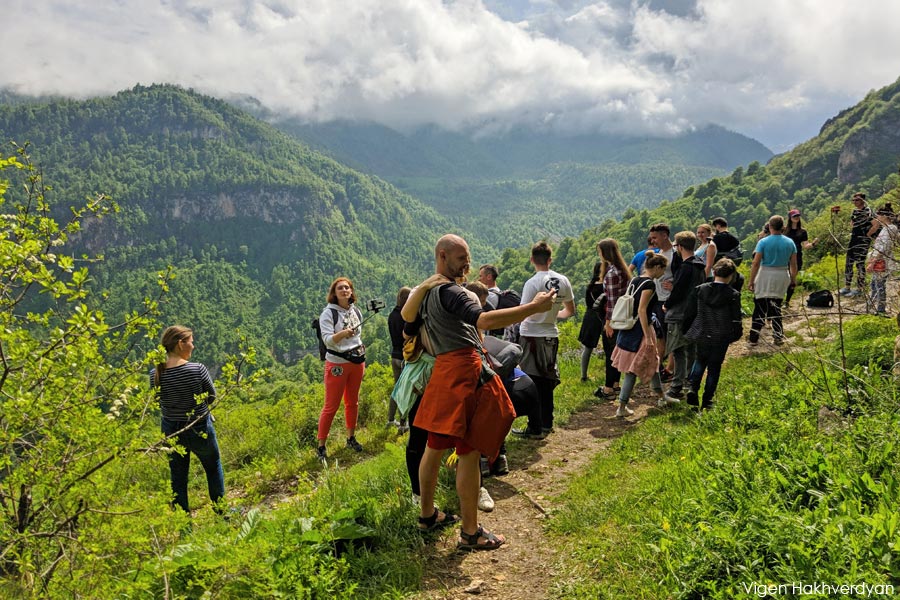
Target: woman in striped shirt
185, 391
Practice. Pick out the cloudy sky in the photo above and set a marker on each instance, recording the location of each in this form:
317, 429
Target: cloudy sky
772, 69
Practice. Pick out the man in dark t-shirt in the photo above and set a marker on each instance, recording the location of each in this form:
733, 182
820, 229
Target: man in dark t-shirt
724, 240
858, 247
464, 406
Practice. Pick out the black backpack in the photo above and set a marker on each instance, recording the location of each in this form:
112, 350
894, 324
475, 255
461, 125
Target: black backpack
505, 299
318, 329
508, 299
820, 299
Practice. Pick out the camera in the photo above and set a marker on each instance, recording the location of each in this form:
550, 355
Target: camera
835, 209
375, 305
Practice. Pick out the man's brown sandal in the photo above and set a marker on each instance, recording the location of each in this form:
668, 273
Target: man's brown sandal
468, 542
432, 523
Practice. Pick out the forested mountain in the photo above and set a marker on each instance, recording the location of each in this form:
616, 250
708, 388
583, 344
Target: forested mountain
256, 224
857, 150
514, 187
435, 152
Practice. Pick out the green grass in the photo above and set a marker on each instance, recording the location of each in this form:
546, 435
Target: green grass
749, 493
681, 506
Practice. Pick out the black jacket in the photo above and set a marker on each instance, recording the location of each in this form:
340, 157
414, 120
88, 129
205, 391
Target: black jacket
716, 315
690, 274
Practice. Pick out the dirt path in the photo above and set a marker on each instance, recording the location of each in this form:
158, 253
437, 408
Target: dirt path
539, 470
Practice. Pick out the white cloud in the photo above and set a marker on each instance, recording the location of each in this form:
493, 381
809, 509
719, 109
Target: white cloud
618, 65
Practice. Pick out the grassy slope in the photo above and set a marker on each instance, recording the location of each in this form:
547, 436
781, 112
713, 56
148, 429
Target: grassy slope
753, 492
681, 506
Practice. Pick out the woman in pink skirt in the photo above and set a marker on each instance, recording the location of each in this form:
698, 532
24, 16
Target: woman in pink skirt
635, 353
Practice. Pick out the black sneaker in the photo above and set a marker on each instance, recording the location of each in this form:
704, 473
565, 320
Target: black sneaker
322, 455
500, 466
528, 434
692, 398
352, 443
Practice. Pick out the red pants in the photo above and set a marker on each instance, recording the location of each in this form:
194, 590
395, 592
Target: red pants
341, 380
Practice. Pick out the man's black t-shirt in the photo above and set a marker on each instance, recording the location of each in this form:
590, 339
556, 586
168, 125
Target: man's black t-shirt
725, 242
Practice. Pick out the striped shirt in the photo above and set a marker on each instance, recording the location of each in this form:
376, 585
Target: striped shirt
185, 391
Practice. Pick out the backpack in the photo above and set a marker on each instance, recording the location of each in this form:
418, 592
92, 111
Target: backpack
736, 255
820, 299
624, 314
318, 329
506, 299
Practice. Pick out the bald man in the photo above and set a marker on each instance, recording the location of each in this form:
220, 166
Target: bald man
465, 405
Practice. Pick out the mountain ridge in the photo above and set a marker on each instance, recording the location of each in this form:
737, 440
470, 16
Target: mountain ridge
507, 188
201, 182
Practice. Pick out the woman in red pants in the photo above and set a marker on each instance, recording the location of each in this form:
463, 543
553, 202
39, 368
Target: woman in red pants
345, 362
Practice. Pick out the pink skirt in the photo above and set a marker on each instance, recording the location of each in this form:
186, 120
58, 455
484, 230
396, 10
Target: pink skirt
643, 363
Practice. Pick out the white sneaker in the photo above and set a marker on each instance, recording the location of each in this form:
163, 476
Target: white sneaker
661, 402
624, 411
670, 399
485, 502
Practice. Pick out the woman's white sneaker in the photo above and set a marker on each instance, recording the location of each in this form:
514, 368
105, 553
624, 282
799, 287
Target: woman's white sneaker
485, 502
624, 411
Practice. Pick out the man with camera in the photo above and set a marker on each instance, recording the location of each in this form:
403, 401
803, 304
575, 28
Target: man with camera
539, 333
860, 221
464, 405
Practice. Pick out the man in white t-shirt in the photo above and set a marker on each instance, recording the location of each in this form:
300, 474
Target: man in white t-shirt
539, 335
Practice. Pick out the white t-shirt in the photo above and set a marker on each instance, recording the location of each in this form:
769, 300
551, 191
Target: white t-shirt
662, 294
544, 324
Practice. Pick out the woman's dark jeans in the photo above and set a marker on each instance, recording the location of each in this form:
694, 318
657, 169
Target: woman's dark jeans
525, 399
201, 440
612, 374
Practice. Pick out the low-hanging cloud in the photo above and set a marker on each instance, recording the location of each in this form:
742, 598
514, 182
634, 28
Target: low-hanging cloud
617, 65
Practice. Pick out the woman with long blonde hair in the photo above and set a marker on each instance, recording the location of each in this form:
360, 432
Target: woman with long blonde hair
615, 276
706, 251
